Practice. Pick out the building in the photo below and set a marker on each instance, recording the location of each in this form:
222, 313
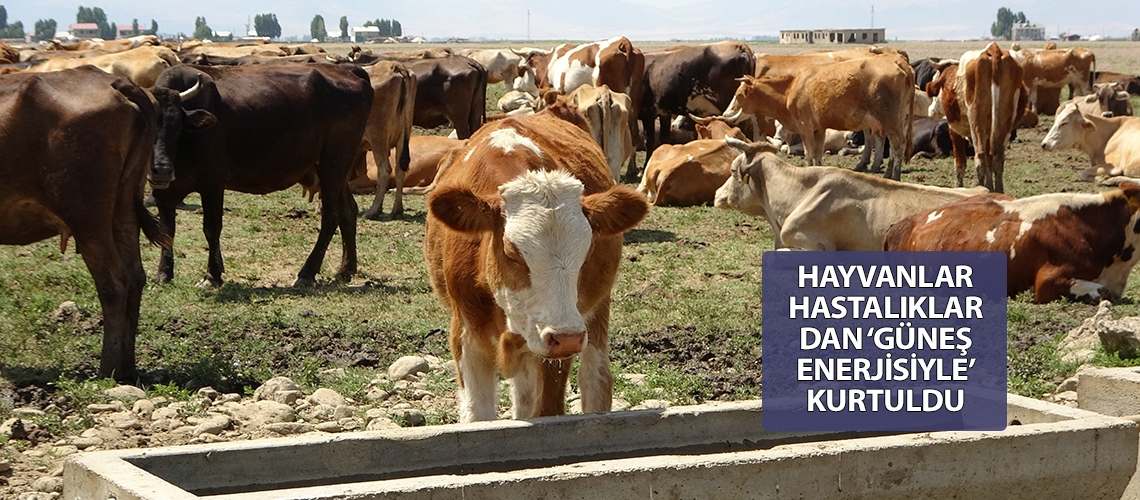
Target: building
1026, 31
84, 30
831, 36
127, 31
361, 34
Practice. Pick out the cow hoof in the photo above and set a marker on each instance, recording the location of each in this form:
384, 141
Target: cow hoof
209, 282
860, 168
372, 215
162, 278
304, 283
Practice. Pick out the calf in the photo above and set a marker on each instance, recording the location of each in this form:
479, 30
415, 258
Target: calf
77, 144
523, 241
219, 129
1113, 144
1080, 246
822, 208
389, 127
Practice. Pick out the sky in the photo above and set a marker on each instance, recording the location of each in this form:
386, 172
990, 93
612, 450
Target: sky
601, 19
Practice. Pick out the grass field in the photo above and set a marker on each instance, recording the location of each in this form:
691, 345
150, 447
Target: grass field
686, 303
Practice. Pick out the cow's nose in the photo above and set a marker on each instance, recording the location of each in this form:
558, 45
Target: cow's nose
563, 344
161, 176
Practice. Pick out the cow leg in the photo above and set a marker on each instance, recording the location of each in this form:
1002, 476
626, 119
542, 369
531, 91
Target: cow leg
898, 154
525, 384
382, 174
166, 215
212, 208
878, 144
552, 387
650, 144
997, 168
401, 172
813, 148
595, 380
348, 264
478, 391
959, 148
868, 147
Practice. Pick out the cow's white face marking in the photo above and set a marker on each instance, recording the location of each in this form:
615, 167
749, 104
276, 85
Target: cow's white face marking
1082, 288
508, 139
934, 216
544, 221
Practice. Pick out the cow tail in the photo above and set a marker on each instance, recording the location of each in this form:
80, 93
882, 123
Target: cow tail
154, 230
405, 159
909, 146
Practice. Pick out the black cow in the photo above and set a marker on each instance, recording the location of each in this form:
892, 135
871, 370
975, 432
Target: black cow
76, 146
259, 129
450, 89
924, 71
931, 139
700, 80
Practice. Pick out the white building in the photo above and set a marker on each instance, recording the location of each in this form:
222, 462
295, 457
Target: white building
836, 36
361, 34
1026, 31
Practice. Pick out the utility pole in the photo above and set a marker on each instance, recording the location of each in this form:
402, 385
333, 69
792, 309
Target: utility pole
872, 17
528, 25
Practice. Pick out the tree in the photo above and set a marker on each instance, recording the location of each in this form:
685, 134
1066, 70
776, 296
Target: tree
317, 28
397, 30
202, 31
1135, 35
1003, 27
135, 27
3, 17
385, 27
343, 27
14, 30
45, 29
267, 25
97, 16
153, 28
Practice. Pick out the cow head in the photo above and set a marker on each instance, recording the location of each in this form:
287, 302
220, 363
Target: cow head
172, 119
541, 230
1068, 130
756, 94
740, 190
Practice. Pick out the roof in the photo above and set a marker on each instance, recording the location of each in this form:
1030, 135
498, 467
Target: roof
84, 26
366, 29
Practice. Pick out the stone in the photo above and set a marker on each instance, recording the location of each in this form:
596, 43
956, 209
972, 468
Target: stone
619, 404
144, 408
411, 417
125, 392
376, 394
332, 373
1117, 336
273, 386
122, 420
328, 427
380, 424
83, 443
114, 406
14, 429
350, 423
230, 397
288, 397
48, 484
652, 403
289, 428
407, 365
104, 433
28, 412
261, 413
327, 397
5, 466
215, 423
65, 450
1067, 398
420, 394
1069, 384
36, 495
636, 379
344, 411
209, 393
211, 438
164, 413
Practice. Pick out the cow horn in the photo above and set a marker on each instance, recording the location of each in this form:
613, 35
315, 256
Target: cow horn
738, 144
330, 58
700, 120
734, 118
517, 53
189, 93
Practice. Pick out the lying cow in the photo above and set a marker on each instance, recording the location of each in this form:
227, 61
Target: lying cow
523, 241
823, 208
1113, 144
424, 152
687, 174
931, 139
834, 141
1080, 246
79, 170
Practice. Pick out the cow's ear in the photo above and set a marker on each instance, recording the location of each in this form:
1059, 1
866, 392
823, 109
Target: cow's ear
1131, 192
200, 118
464, 211
615, 211
1091, 98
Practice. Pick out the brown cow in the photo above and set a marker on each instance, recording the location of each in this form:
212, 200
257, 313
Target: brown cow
523, 242
983, 98
389, 127
687, 174
1080, 246
141, 65
873, 93
1130, 83
76, 166
1054, 69
607, 113
1113, 144
424, 152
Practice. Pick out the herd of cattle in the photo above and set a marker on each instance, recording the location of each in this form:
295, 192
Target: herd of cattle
525, 210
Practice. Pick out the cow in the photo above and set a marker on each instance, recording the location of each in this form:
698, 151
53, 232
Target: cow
1076, 245
1054, 69
687, 174
141, 65
219, 129
834, 141
931, 138
450, 89
822, 208
925, 70
515, 100
697, 79
230, 50
607, 113
1113, 144
502, 65
389, 127
983, 98
76, 166
8, 54
523, 241
871, 93
615, 63
1130, 83
424, 151
714, 128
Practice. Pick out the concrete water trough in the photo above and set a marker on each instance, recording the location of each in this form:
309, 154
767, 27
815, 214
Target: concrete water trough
711, 451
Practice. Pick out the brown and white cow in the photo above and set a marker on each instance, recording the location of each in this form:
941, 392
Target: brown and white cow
1054, 68
615, 63
77, 146
389, 127
141, 65
1113, 144
607, 113
1075, 245
823, 208
983, 98
523, 241
502, 64
873, 93
689, 174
